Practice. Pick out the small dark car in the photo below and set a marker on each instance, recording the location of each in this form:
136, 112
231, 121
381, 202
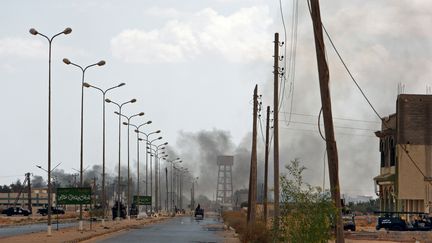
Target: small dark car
16, 211
392, 222
54, 210
199, 212
349, 222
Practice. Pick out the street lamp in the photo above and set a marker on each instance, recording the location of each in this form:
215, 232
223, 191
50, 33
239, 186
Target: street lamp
119, 147
151, 175
128, 118
87, 85
147, 141
83, 70
177, 160
35, 32
157, 172
138, 156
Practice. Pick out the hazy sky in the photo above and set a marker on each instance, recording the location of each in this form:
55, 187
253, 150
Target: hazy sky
192, 66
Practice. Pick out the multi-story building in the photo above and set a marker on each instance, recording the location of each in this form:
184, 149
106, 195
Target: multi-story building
405, 179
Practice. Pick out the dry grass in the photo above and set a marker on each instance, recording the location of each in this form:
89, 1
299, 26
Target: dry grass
257, 232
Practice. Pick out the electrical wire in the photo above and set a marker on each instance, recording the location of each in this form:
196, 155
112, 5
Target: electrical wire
404, 148
339, 118
319, 126
289, 70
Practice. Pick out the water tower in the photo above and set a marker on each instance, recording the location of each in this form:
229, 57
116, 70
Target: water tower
224, 190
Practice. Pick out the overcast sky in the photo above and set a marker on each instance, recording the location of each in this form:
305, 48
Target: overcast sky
192, 66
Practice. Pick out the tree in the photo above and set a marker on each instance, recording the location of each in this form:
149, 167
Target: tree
306, 211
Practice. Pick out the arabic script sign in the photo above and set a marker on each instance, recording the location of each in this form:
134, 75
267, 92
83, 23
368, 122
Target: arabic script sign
143, 200
74, 195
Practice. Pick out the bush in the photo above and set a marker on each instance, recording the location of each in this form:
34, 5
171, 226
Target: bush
306, 211
256, 232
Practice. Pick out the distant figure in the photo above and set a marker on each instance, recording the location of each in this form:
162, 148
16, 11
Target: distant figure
198, 207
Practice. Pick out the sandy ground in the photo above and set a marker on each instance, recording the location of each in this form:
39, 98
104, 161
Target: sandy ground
72, 234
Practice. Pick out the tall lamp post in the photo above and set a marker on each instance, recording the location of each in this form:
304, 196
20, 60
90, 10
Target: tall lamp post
138, 149
120, 106
147, 141
157, 149
177, 160
151, 162
128, 118
83, 70
87, 85
35, 32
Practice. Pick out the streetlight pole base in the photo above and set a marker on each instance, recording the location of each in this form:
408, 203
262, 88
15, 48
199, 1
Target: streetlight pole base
49, 233
128, 217
117, 219
103, 223
80, 225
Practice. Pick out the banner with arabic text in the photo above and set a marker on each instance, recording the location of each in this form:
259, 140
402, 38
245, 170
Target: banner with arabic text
74, 195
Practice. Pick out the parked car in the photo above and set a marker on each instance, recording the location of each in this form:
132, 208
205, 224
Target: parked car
54, 210
16, 211
349, 222
392, 222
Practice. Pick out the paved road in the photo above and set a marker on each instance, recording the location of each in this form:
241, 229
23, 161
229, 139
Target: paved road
30, 228
178, 230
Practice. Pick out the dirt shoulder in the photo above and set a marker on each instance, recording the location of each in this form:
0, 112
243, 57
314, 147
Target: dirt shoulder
72, 234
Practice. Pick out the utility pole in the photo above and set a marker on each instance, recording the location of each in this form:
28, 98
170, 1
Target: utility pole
266, 163
29, 198
167, 192
332, 154
253, 166
276, 130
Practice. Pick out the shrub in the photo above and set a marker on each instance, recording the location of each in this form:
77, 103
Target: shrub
306, 211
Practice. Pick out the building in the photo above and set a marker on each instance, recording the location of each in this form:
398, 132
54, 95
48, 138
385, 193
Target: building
405, 179
39, 198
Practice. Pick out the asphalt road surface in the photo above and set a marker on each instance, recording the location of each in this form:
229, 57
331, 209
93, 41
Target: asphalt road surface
178, 230
29, 228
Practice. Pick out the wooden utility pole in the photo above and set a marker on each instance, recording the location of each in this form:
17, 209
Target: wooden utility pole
251, 214
332, 154
266, 163
276, 130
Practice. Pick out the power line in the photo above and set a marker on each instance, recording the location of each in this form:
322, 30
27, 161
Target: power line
316, 131
337, 118
368, 101
342, 127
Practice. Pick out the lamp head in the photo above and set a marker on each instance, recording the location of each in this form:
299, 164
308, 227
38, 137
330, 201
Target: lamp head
116, 112
132, 100
136, 130
101, 63
121, 84
159, 138
33, 31
87, 85
140, 139
166, 143
107, 100
141, 114
65, 60
158, 131
125, 123
149, 122
67, 31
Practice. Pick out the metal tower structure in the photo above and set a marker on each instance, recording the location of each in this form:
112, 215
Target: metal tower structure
224, 190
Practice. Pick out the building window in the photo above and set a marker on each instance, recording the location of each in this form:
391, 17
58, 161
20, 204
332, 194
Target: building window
392, 153
382, 153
